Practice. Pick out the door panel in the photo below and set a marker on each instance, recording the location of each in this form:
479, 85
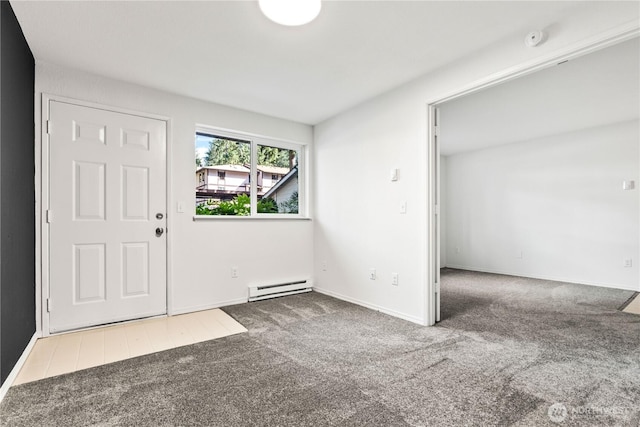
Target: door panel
89, 273
135, 193
135, 269
107, 183
437, 233
89, 193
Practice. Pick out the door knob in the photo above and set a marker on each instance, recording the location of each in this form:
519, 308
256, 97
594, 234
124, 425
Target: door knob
159, 231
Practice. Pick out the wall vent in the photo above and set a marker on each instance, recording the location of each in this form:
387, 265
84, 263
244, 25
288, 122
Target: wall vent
273, 290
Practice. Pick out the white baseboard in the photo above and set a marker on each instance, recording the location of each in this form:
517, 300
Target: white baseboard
541, 277
16, 369
219, 304
384, 310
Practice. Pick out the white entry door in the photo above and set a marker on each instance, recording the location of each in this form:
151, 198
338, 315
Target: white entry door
107, 217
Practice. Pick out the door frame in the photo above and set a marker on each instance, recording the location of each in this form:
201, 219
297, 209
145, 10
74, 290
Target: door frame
609, 38
42, 182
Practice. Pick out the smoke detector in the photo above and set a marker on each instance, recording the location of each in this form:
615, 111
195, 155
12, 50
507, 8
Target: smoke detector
534, 38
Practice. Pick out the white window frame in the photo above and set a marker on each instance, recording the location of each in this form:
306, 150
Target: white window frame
256, 140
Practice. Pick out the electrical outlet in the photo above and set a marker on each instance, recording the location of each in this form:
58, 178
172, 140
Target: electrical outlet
234, 272
372, 274
323, 265
394, 279
457, 250
628, 262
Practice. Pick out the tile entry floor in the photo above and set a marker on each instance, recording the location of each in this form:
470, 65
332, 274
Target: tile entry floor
61, 354
633, 306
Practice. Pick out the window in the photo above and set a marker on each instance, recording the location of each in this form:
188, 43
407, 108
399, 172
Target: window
246, 163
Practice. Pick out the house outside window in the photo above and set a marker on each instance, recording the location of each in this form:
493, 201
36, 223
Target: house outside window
235, 158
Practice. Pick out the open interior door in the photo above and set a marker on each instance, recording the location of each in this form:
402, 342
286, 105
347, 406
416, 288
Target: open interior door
436, 210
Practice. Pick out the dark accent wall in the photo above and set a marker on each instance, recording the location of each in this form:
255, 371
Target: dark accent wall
17, 192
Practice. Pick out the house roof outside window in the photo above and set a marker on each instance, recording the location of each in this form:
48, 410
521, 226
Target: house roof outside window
227, 168
292, 173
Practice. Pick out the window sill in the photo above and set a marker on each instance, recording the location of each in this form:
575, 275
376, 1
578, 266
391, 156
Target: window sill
198, 218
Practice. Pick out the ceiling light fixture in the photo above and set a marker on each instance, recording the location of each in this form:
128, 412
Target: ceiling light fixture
290, 12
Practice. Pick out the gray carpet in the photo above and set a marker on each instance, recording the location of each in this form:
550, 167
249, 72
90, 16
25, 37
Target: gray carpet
507, 349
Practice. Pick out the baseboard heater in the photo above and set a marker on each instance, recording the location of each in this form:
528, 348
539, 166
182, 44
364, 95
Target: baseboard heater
264, 291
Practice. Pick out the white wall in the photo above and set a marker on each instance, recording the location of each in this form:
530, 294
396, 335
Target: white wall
358, 224
557, 202
200, 269
357, 221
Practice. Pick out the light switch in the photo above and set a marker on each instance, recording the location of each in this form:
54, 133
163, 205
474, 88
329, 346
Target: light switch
180, 207
403, 207
394, 174
628, 185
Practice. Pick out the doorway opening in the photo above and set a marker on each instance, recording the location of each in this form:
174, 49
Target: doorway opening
439, 251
